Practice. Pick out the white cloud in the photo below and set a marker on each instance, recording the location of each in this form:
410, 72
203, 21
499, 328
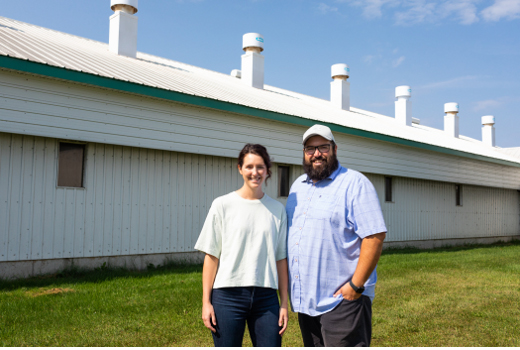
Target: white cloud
409, 12
486, 104
324, 8
451, 83
465, 10
398, 61
417, 11
507, 9
370, 58
372, 8
489, 105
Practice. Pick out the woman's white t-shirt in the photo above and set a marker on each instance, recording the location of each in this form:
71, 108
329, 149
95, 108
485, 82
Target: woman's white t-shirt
248, 237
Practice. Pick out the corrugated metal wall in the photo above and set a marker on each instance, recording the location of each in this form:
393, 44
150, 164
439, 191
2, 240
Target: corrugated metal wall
135, 200
143, 201
426, 210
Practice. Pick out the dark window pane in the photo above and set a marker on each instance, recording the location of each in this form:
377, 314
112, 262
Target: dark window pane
458, 195
388, 189
283, 181
70, 173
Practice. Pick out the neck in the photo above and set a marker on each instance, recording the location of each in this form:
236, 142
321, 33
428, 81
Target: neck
250, 193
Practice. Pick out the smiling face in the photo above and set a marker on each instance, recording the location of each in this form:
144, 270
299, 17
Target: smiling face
319, 164
253, 170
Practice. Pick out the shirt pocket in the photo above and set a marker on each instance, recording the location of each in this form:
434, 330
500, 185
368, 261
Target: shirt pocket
324, 208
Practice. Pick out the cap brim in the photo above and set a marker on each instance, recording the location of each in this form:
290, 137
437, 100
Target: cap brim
311, 135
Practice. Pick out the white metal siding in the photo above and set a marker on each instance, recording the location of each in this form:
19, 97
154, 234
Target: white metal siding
48, 108
142, 201
135, 200
426, 210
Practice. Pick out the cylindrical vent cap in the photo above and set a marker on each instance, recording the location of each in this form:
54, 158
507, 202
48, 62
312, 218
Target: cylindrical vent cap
253, 40
451, 107
488, 120
339, 69
403, 91
131, 3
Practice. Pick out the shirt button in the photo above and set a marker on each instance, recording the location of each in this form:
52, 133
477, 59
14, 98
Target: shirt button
300, 228
296, 243
309, 198
296, 276
295, 259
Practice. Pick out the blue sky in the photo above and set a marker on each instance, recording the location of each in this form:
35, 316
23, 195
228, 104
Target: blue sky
465, 51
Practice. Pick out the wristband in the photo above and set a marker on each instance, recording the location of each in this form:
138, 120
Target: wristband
358, 290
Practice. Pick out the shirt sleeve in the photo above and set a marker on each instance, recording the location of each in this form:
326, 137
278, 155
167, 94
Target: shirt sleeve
210, 238
281, 248
364, 212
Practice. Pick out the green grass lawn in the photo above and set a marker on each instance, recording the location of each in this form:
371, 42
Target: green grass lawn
467, 296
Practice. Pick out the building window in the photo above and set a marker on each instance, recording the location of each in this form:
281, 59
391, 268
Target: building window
458, 195
70, 166
283, 181
388, 189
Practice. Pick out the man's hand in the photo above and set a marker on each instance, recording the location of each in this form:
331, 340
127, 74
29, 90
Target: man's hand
208, 316
347, 292
283, 319
369, 254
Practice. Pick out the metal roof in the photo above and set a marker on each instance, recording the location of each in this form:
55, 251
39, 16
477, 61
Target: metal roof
53, 48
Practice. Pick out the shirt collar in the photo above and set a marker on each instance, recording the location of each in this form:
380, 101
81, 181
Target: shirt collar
331, 176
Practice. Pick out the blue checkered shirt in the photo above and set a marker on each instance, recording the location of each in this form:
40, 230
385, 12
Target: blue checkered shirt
327, 222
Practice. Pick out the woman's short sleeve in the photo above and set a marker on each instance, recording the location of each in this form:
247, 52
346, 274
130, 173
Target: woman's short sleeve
210, 238
281, 248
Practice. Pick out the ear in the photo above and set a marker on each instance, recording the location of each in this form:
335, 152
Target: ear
239, 169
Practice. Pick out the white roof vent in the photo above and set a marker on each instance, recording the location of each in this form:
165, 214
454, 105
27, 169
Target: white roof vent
123, 28
127, 6
339, 71
339, 87
451, 119
488, 130
252, 72
403, 91
236, 73
451, 107
488, 120
253, 42
403, 105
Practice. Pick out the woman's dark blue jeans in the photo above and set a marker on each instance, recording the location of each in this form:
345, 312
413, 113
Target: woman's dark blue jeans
258, 306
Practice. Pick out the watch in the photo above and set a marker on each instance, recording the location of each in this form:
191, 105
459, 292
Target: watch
358, 290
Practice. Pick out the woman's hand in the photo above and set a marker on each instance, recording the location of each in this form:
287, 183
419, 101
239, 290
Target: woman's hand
209, 271
283, 320
208, 316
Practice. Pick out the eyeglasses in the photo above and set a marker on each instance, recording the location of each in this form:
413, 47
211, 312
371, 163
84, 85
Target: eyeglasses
309, 150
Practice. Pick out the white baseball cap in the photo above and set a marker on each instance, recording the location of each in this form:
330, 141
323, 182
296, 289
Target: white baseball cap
318, 130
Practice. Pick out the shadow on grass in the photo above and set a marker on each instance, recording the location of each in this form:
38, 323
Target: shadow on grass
75, 275
448, 248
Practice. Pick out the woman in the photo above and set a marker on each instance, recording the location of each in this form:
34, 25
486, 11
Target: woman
244, 238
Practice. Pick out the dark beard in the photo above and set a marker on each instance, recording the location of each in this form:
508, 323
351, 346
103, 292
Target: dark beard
324, 171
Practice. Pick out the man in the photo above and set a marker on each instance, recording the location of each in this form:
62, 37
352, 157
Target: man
335, 238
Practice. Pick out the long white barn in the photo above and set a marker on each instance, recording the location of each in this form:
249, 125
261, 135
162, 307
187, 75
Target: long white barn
106, 157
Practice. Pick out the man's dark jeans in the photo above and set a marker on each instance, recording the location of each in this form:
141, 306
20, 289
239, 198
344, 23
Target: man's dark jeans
258, 306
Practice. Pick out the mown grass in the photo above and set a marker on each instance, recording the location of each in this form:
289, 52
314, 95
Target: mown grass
466, 296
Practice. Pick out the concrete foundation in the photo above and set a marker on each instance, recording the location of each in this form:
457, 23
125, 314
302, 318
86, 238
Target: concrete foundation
24, 269
438, 243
